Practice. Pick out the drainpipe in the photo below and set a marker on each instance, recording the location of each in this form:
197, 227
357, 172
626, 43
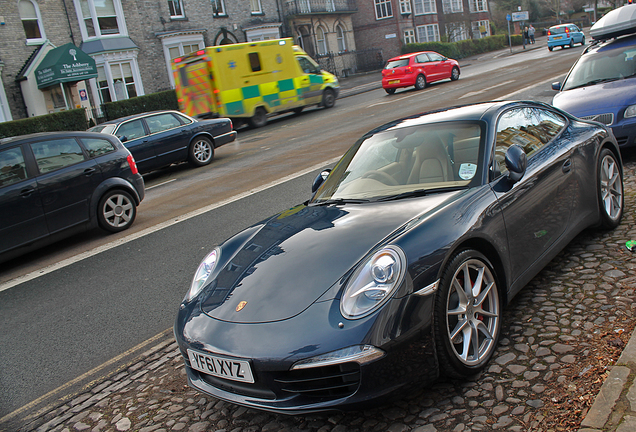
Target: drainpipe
68, 19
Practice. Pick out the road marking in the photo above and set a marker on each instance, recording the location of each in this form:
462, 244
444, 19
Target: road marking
486, 89
549, 80
401, 99
161, 184
72, 260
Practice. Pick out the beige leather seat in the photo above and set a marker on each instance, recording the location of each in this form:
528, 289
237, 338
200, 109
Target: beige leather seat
432, 163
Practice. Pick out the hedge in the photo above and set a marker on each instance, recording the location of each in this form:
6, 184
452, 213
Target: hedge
72, 120
165, 100
464, 48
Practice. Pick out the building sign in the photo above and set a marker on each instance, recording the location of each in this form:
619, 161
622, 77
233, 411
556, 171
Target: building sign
65, 64
520, 16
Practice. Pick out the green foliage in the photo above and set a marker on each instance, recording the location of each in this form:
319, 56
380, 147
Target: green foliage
72, 120
465, 48
166, 100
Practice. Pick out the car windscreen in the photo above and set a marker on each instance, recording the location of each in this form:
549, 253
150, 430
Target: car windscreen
602, 66
396, 63
557, 30
415, 159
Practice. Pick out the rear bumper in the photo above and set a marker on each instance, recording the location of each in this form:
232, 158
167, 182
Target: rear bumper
220, 140
404, 81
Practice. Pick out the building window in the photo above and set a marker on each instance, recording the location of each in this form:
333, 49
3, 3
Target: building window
456, 31
116, 81
424, 7
405, 7
218, 7
176, 9
100, 18
256, 7
321, 41
340, 37
383, 9
428, 33
32, 22
409, 36
478, 5
453, 6
480, 29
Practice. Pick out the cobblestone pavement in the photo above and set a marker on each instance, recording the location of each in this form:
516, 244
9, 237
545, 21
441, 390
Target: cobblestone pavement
560, 338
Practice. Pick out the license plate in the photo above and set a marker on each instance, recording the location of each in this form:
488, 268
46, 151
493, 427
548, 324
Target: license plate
557, 37
394, 82
222, 367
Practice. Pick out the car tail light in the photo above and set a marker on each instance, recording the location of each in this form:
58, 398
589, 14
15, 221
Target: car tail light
549, 32
567, 30
132, 164
409, 69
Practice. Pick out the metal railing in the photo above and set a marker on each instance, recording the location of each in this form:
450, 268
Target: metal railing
304, 7
351, 62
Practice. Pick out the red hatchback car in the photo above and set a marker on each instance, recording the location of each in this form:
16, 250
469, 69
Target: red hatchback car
417, 69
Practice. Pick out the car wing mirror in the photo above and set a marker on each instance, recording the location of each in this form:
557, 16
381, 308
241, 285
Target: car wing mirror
123, 138
319, 180
516, 162
556, 86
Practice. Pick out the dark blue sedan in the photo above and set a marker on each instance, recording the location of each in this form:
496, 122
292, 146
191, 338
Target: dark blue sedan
161, 138
398, 267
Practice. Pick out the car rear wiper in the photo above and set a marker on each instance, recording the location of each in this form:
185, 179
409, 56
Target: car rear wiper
421, 192
339, 201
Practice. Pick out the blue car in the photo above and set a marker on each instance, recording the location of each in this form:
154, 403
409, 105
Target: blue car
601, 85
563, 35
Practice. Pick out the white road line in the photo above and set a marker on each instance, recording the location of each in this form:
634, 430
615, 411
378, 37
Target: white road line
160, 184
549, 80
72, 260
486, 89
394, 99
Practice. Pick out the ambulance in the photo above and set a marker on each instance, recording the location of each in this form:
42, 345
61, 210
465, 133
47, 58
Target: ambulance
251, 81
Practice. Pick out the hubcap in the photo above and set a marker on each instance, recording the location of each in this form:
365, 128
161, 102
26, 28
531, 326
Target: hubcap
472, 315
118, 211
611, 187
202, 151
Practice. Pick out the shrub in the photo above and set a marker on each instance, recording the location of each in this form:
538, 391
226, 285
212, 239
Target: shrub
72, 120
464, 48
165, 100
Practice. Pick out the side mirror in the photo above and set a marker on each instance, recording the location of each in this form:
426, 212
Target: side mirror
516, 162
123, 138
556, 86
320, 179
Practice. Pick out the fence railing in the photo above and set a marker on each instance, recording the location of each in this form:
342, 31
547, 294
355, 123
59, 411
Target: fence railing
301, 7
350, 62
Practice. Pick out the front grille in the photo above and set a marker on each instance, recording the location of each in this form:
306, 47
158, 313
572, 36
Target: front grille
326, 381
255, 390
606, 119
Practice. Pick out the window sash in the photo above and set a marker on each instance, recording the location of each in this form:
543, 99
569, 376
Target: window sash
383, 9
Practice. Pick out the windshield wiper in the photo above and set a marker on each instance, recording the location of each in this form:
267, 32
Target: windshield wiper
339, 201
596, 81
421, 192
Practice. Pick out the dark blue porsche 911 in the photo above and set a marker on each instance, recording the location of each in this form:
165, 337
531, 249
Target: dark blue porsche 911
398, 267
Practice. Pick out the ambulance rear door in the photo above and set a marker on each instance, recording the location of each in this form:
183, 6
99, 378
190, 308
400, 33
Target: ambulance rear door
196, 83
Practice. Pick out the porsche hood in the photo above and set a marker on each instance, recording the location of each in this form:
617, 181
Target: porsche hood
299, 254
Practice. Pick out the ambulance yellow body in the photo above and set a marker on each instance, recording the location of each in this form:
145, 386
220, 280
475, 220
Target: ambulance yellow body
249, 81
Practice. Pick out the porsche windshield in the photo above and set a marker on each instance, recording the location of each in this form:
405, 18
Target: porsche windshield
602, 66
404, 162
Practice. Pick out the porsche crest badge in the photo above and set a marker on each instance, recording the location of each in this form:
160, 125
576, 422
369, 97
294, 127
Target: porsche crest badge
240, 306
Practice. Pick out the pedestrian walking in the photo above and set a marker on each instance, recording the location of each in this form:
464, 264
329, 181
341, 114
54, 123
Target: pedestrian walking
525, 37
531, 33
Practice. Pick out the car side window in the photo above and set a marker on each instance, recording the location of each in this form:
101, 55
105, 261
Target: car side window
12, 166
435, 57
530, 128
422, 58
54, 154
97, 146
131, 130
161, 122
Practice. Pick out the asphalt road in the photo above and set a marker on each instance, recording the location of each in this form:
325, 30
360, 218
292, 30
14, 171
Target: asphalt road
64, 323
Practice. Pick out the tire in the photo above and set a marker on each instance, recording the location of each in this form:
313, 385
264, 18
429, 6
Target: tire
201, 151
583, 41
328, 98
116, 211
454, 74
610, 190
571, 44
390, 91
420, 82
478, 318
550, 48
259, 119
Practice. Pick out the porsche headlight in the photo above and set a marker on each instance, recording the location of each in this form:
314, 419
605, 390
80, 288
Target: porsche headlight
630, 111
373, 282
203, 272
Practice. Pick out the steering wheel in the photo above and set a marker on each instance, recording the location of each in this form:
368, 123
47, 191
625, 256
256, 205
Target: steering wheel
381, 176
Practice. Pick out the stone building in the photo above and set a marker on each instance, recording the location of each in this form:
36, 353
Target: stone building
131, 42
389, 24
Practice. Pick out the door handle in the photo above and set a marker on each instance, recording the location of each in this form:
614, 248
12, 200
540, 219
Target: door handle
89, 172
26, 192
567, 165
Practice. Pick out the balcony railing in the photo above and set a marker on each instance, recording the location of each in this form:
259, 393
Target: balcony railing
308, 7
